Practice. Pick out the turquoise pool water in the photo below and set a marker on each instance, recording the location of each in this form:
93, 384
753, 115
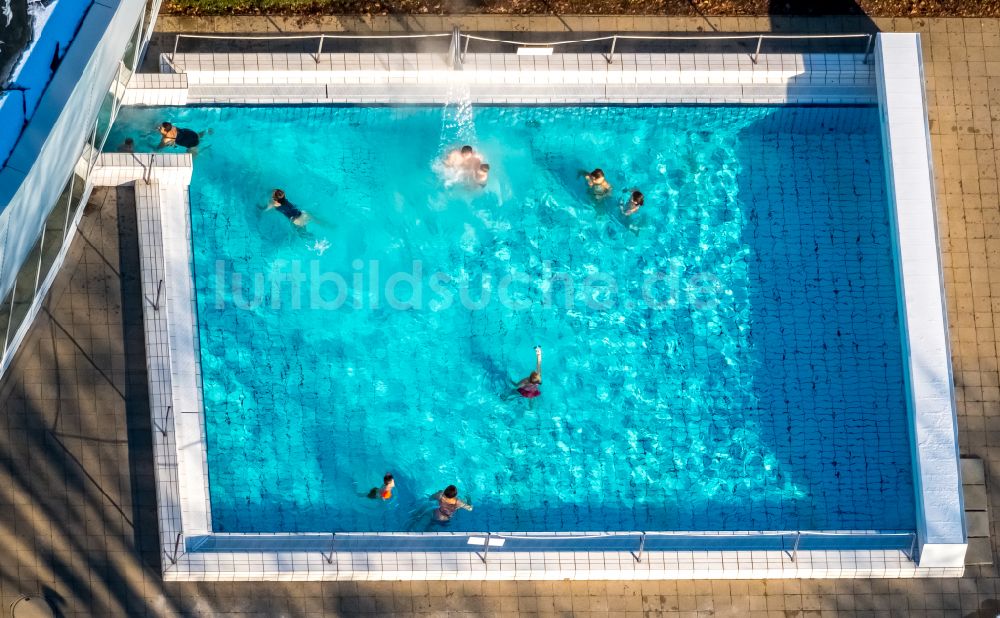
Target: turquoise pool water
728, 358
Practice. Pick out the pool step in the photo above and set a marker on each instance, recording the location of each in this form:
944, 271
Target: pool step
977, 519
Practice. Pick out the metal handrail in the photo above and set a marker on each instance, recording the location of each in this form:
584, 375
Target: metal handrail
177, 546
293, 37
159, 291
166, 418
614, 38
638, 551
760, 38
668, 534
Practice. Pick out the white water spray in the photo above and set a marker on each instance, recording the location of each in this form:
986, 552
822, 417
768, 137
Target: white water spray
457, 126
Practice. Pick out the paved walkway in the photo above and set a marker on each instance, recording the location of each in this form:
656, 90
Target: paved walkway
77, 519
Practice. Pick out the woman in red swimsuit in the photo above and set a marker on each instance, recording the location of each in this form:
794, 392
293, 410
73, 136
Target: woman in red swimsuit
528, 387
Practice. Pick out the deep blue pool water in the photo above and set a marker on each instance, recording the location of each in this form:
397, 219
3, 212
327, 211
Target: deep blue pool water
727, 358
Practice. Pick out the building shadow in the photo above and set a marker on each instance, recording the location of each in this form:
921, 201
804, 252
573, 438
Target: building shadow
818, 17
990, 608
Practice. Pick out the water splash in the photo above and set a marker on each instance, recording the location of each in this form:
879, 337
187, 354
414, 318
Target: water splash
320, 246
457, 126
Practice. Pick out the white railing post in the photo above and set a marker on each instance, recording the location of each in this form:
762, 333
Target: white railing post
166, 418
159, 290
319, 51
760, 41
177, 545
868, 47
795, 548
642, 545
455, 49
329, 559
611, 55
177, 40
486, 550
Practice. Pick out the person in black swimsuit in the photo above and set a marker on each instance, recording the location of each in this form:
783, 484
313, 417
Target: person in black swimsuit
176, 136
281, 203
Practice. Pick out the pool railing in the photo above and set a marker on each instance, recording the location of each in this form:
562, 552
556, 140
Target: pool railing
458, 50
636, 543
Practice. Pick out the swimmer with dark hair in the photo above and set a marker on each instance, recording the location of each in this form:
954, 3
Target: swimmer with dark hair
280, 203
462, 158
635, 202
598, 183
384, 492
482, 174
176, 136
448, 503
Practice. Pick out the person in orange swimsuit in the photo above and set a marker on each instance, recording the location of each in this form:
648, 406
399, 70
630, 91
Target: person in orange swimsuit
384, 492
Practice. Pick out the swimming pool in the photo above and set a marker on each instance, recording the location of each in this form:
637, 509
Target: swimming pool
729, 359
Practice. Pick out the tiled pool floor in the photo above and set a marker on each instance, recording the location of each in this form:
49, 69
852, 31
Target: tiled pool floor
76, 484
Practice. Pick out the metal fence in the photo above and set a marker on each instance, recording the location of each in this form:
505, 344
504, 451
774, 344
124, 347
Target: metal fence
636, 543
613, 39
460, 42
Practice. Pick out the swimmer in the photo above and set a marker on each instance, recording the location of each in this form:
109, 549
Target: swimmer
384, 492
482, 174
598, 183
176, 136
448, 503
635, 202
281, 203
464, 158
528, 387
128, 146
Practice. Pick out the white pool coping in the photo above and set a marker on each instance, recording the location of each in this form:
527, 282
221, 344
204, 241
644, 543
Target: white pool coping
172, 339
512, 79
910, 179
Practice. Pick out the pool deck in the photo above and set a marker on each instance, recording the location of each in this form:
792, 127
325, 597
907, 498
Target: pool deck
77, 511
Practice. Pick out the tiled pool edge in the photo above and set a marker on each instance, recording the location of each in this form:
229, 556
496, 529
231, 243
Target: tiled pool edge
507, 79
931, 396
545, 565
162, 213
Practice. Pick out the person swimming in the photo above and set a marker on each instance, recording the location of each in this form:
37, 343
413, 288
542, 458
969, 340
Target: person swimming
128, 146
282, 205
635, 202
598, 183
482, 174
176, 136
463, 158
528, 387
384, 492
448, 503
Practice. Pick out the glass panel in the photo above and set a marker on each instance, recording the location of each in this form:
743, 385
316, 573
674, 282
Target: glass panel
55, 229
24, 288
79, 184
109, 108
128, 59
104, 119
5, 319
152, 6
91, 151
